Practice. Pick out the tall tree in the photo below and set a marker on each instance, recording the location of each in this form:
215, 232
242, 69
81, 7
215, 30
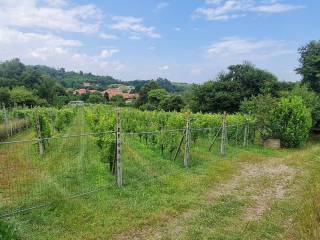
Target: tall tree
310, 65
225, 94
143, 94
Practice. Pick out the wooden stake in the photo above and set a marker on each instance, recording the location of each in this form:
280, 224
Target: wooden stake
214, 139
237, 132
187, 144
5, 119
41, 147
179, 147
245, 137
223, 135
118, 150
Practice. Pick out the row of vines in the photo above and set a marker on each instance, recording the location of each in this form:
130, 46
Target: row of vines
47, 121
162, 130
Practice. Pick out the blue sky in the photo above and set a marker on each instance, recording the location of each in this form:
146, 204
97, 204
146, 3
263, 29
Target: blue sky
182, 40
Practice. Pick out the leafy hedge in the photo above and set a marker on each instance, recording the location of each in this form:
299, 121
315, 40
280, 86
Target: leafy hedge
291, 119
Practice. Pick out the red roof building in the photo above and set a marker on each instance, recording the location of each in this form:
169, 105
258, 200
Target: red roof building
128, 97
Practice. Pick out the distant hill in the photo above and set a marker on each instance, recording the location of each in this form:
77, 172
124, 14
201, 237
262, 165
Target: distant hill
75, 80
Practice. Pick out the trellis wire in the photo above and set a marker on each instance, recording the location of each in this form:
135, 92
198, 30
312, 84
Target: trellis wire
40, 179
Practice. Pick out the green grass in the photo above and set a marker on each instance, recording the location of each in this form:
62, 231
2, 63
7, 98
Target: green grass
158, 191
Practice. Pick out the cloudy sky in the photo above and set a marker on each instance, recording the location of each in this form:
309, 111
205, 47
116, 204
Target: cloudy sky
182, 40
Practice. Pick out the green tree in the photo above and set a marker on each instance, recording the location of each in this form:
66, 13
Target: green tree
12, 68
96, 98
172, 103
21, 96
225, 94
4, 96
155, 96
118, 101
310, 65
261, 107
143, 94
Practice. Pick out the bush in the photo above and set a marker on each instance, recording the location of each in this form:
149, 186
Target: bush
310, 99
292, 121
260, 107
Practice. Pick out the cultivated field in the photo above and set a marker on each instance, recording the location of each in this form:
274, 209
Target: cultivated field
69, 192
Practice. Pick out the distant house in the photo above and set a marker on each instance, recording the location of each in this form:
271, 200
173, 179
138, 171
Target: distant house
76, 103
93, 91
111, 92
80, 91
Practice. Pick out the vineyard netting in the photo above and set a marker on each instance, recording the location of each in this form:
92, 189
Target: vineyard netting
72, 152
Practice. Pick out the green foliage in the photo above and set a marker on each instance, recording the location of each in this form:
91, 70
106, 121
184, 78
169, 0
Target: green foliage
310, 65
63, 119
22, 96
261, 107
160, 99
118, 101
292, 121
143, 94
172, 103
225, 94
21, 78
102, 118
5, 96
8, 232
310, 99
96, 98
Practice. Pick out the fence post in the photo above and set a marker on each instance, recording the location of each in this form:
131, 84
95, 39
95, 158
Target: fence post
41, 147
223, 135
5, 118
187, 146
245, 135
118, 150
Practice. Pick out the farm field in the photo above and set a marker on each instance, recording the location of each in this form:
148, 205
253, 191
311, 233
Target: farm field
249, 193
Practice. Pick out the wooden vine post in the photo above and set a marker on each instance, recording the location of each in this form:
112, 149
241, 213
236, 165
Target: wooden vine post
223, 135
5, 119
39, 134
118, 150
245, 135
187, 143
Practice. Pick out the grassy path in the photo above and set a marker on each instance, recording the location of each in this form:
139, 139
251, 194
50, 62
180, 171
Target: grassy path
258, 202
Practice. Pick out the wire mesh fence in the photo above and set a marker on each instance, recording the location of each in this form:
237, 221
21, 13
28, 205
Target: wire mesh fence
73, 165
70, 166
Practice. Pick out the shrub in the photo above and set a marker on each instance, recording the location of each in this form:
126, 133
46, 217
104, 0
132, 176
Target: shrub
292, 121
260, 107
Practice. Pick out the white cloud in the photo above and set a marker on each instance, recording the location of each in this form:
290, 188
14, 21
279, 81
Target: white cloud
277, 8
55, 51
134, 26
177, 29
106, 53
161, 6
52, 15
222, 10
236, 47
163, 68
108, 36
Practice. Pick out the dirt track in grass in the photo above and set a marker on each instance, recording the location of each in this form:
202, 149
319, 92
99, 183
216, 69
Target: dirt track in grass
259, 184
